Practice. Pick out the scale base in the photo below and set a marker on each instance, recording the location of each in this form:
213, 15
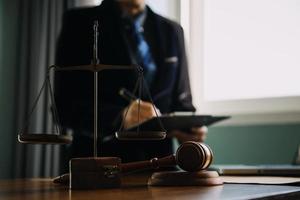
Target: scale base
182, 178
94, 173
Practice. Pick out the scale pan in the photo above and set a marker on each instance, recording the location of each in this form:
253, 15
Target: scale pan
33, 138
142, 135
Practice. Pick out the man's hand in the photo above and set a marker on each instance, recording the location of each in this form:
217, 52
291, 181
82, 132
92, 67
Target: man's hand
146, 112
198, 134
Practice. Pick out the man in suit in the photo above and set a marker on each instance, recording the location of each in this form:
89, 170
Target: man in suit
129, 33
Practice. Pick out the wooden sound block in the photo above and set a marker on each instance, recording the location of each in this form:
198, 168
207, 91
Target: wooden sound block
182, 178
95, 172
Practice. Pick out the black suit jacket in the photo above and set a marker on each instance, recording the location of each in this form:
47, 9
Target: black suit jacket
74, 90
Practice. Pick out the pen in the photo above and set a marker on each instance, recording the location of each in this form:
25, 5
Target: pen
126, 94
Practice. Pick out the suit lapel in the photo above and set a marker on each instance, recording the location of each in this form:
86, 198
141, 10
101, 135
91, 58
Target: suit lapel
159, 55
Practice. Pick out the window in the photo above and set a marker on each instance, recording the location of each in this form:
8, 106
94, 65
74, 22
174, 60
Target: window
246, 54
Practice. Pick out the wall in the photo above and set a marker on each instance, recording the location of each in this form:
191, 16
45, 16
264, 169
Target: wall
264, 144
166, 8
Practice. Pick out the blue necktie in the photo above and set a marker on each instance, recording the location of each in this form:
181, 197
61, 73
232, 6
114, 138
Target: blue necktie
143, 54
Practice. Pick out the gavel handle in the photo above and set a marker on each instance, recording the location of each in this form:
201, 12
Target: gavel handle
154, 163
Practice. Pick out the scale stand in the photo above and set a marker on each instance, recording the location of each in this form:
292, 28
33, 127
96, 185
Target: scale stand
98, 172
95, 61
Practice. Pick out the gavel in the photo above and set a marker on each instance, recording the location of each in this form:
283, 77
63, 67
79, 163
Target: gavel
102, 172
190, 156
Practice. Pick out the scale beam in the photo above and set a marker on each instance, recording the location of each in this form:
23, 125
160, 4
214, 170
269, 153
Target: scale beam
94, 67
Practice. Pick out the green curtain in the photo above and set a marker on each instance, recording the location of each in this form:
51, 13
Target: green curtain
28, 34
8, 52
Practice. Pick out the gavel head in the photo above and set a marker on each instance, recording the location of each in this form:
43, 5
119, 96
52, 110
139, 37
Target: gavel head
194, 156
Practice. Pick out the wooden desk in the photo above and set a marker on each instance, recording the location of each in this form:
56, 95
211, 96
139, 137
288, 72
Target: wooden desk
135, 188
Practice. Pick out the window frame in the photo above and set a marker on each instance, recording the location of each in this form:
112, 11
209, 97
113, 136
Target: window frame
277, 110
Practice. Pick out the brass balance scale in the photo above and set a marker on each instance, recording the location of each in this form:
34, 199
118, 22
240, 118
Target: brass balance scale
105, 172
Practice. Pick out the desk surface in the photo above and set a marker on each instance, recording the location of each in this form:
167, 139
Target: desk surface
135, 188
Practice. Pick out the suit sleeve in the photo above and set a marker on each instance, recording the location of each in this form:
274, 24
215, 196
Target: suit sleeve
182, 99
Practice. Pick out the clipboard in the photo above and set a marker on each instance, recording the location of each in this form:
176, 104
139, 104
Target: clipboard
178, 122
